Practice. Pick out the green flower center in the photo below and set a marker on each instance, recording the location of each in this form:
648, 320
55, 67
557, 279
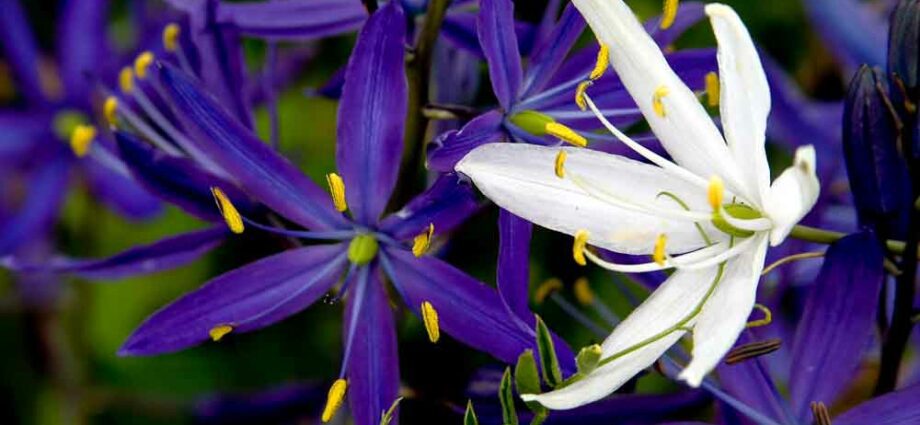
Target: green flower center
362, 249
66, 121
739, 211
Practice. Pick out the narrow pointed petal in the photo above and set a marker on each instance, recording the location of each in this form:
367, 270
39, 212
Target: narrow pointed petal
792, 194
120, 191
372, 114
854, 31
548, 57
745, 98
666, 307
513, 263
726, 313
500, 46
21, 51
293, 20
686, 130
839, 321
46, 190
258, 169
165, 254
372, 366
246, 299
449, 148
468, 310
750, 383
20, 132
446, 204
521, 179
81, 45
899, 407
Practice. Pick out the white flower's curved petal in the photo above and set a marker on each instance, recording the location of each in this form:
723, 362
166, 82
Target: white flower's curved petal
744, 99
668, 305
793, 194
521, 179
686, 131
726, 313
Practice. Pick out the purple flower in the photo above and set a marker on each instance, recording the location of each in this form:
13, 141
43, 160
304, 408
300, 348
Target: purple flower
366, 246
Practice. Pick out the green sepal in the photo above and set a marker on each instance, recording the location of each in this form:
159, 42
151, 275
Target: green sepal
387, 416
527, 380
549, 364
532, 122
506, 397
469, 418
539, 417
588, 359
739, 211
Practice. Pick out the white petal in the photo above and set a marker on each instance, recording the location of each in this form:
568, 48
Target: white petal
669, 304
793, 194
521, 179
745, 98
686, 131
726, 313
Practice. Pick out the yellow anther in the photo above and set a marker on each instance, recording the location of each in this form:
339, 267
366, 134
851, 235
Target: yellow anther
171, 37
337, 190
545, 289
81, 138
334, 399
580, 93
716, 192
227, 210
109, 108
422, 242
767, 317
578, 247
143, 61
669, 14
219, 332
583, 292
659, 254
126, 80
560, 164
430, 317
657, 99
601, 64
713, 89
565, 134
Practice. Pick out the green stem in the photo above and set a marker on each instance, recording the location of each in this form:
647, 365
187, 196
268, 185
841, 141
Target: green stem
827, 237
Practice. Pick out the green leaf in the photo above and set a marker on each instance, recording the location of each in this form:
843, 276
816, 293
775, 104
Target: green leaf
549, 364
539, 417
470, 417
387, 417
527, 380
588, 359
506, 396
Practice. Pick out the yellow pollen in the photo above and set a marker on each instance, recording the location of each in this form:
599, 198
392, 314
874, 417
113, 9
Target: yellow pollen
560, 164
565, 134
545, 289
422, 242
143, 61
716, 192
767, 317
578, 247
171, 37
81, 139
109, 108
430, 317
337, 190
580, 93
227, 210
600, 65
670, 13
659, 254
334, 399
657, 98
583, 292
219, 332
126, 80
713, 90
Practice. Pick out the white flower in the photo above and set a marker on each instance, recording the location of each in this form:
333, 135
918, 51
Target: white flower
714, 235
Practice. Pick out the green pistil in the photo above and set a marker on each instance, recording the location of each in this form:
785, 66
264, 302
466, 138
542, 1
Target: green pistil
362, 249
532, 122
66, 121
739, 211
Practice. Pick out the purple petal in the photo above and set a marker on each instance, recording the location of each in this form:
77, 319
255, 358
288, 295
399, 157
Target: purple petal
46, 190
372, 366
21, 50
513, 273
248, 298
446, 204
258, 169
899, 407
467, 309
449, 148
116, 187
287, 402
165, 254
81, 45
855, 32
750, 383
21, 132
838, 322
499, 44
293, 20
460, 29
372, 114
548, 57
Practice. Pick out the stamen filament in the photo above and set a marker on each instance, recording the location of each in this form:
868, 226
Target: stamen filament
726, 255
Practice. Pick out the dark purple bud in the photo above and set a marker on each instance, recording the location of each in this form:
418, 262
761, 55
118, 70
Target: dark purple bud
904, 45
878, 173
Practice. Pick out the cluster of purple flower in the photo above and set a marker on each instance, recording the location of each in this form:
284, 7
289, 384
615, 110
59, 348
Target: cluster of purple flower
171, 121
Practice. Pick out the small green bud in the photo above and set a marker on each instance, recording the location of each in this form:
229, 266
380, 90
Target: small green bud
532, 122
588, 359
362, 249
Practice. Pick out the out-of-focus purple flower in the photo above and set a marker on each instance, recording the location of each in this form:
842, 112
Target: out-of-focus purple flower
366, 247
855, 31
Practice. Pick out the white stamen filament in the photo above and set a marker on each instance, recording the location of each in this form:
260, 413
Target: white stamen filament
719, 258
705, 257
761, 224
655, 210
